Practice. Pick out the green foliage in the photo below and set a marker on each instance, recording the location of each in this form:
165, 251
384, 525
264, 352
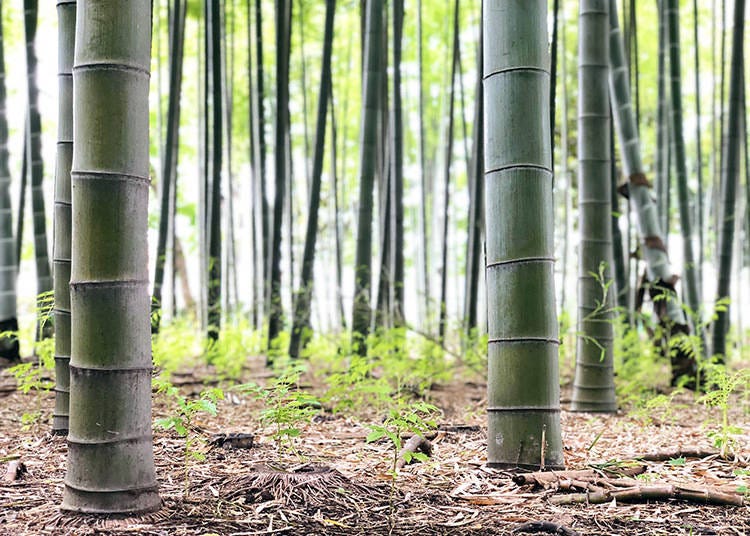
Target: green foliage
285, 406
639, 364
353, 385
413, 418
229, 353
35, 376
474, 355
742, 487
659, 406
398, 364
176, 344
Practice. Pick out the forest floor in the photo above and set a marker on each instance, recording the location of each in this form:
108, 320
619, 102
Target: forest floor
337, 483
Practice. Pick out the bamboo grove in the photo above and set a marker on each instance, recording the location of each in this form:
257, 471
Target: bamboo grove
347, 167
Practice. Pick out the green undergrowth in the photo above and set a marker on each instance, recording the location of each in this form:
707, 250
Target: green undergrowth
393, 378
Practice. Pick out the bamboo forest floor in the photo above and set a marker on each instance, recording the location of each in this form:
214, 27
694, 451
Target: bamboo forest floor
338, 484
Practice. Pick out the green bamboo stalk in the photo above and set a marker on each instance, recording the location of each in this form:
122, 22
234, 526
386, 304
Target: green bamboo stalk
618, 258
283, 44
171, 153
339, 300
110, 452
214, 66
594, 383
66, 13
36, 166
680, 157
301, 321
22, 188
373, 73
446, 179
397, 171
258, 152
698, 150
523, 388
566, 192
424, 248
730, 179
476, 202
662, 129
9, 349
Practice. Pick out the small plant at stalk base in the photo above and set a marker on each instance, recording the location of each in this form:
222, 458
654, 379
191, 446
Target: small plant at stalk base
182, 420
724, 383
603, 312
35, 376
286, 407
742, 488
415, 418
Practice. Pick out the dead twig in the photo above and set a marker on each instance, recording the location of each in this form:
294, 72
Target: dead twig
545, 527
16, 470
412, 446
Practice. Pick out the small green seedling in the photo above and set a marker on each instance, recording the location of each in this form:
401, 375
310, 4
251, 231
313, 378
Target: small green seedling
35, 377
724, 434
286, 407
415, 418
181, 421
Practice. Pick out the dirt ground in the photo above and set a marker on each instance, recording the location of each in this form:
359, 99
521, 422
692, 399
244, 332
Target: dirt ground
339, 484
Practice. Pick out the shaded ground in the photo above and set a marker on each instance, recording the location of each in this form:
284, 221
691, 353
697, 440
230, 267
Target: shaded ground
235, 492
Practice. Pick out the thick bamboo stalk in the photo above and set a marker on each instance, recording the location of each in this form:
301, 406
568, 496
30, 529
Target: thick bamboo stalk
523, 397
110, 453
594, 384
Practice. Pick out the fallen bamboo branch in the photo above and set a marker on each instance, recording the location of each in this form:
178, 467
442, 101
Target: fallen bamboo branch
412, 446
545, 479
660, 492
683, 452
